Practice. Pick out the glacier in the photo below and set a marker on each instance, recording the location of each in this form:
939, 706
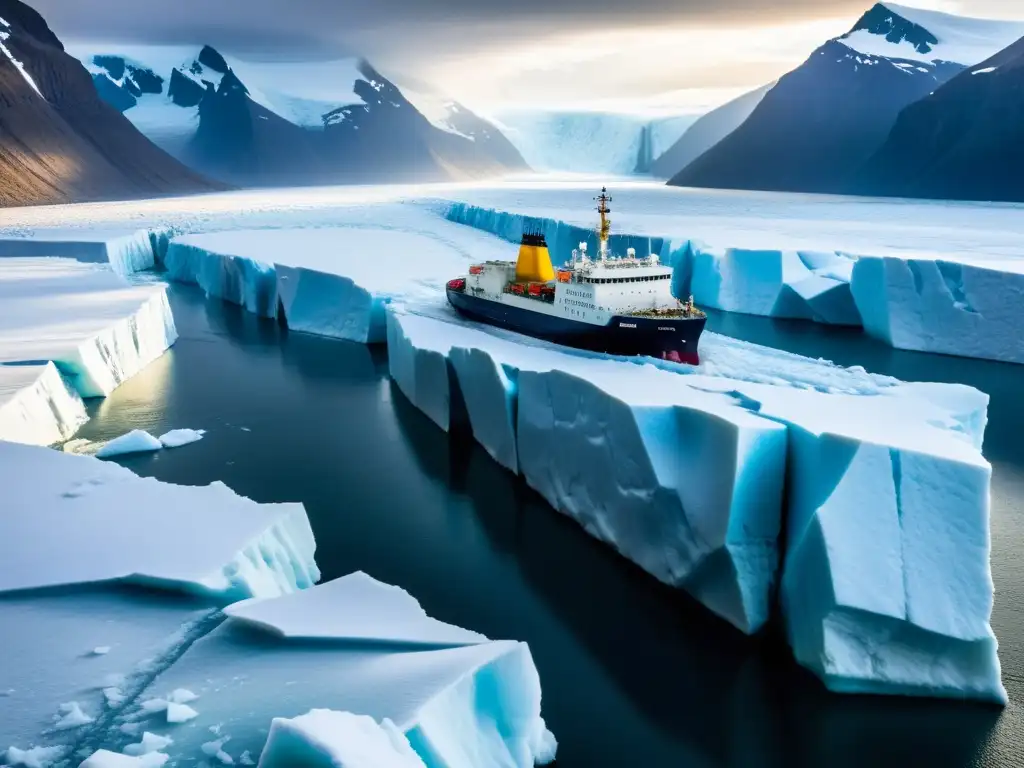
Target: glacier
96, 328
626, 447
125, 251
950, 307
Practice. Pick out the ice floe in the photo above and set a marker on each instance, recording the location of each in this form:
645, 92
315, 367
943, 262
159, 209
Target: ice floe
126, 251
332, 282
179, 437
136, 441
75, 519
971, 310
686, 473
97, 329
461, 700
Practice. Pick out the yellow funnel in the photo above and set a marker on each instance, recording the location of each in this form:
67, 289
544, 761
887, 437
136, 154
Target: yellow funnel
534, 265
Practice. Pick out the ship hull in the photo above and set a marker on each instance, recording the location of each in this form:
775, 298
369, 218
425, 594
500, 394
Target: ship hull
666, 338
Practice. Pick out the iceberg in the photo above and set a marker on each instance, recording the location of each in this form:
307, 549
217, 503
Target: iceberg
179, 437
136, 441
332, 282
861, 463
126, 251
37, 406
355, 646
931, 305
96, 328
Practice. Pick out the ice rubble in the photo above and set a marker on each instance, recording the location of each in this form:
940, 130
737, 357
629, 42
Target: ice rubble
126, 251
468, 703
322, 738
246, 549
98, 330
627, 449
942, 306
332, 282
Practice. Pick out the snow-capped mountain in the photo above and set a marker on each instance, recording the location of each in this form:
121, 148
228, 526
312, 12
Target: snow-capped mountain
964, 141
59, 142
822, 121
271, 123
590, 141
707, 131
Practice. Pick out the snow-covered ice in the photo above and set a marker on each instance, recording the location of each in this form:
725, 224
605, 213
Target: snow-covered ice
322, 738
943, 306
460, 705
97, 329
179, 437
75, 519
136, 441
811, 286
390, 615
627, 449
37, 406
126, 251
332, 281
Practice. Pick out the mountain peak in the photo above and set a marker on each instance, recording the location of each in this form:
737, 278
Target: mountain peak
884, 21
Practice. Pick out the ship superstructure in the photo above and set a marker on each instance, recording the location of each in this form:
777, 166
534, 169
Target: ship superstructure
620, 305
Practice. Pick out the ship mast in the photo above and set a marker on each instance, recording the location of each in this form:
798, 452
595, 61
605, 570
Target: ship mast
606, 224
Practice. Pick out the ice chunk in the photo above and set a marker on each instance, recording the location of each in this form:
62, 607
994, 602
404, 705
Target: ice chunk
325, 739
126, 251
390, 615
774, 283
37, 757
71, 716
68, 518
97, 329
215, 749
105, 759
101, 650
151, 742
182, 696
180, 713
943, 306
37, 406
179, 437
136, 441
332, 282
474, 705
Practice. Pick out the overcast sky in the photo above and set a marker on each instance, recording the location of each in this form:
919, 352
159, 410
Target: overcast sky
495, 54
